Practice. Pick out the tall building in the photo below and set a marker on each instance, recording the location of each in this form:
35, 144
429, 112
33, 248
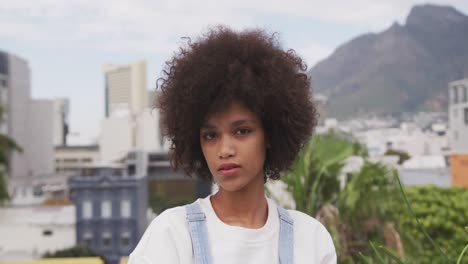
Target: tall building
41, 137
15, 93
125, 89
458, 135
119, 135
131, 122
35, 125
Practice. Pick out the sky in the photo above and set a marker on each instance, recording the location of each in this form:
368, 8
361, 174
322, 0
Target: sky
66, 43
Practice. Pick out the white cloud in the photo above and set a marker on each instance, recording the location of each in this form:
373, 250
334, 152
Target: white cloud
156, 26
315, 53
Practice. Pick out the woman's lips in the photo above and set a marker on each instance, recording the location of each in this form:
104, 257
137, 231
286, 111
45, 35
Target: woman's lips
229, 172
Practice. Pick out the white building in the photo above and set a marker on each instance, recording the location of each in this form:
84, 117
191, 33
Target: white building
70, 160
408, 137
119, 135
458, 132
131, 121
41, 137
15, 91
35, 125
116, 139
458, 116
29, 232
125, 89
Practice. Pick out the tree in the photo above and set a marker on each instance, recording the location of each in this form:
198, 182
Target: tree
7, 146
313, 178
356, 214
402, 155
367, 210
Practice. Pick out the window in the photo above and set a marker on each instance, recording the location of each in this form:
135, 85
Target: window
87, 210
106, 209
106, 240
131, 170
466, 116
125, 208
455, 94
47, 232
464, 93
88, 239
125, 240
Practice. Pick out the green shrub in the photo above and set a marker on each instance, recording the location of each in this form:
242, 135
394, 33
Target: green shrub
443, 213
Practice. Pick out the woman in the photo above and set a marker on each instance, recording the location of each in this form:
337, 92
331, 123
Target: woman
237, 109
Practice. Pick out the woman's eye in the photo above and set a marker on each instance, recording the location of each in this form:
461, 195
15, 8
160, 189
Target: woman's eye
209, 135
243, 131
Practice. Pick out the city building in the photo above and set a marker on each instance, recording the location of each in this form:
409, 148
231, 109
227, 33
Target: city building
125, 89
35, 125
458, 135
15, 94
41, 137
46, 125
30, 232
131, 122
409, 138
110, 210
72, 159
122, 134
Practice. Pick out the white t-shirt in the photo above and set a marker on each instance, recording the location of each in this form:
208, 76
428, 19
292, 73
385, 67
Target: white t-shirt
167, 239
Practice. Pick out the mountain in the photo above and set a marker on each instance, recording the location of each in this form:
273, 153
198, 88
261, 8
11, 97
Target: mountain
405, 68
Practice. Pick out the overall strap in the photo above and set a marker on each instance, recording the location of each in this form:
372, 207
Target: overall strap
198, 232
286, 237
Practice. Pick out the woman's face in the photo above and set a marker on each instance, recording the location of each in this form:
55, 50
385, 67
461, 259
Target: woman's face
233, 143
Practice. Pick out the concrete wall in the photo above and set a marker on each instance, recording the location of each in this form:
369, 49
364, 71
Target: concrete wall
116, 138
41, 137
22, 231
19, 90
458, 116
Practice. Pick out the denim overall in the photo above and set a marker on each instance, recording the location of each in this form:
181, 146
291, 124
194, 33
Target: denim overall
200, 244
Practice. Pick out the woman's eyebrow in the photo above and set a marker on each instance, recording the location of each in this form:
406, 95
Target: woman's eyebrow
208, 126
242, 121
233, 124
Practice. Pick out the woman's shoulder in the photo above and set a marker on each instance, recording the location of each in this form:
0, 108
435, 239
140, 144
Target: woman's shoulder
304, 220
308, 224
169, 218
164, 238
312, 238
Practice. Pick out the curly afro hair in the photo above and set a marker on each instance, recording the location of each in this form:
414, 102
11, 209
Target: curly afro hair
248, 66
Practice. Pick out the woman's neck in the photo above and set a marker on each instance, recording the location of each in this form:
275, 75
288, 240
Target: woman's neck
247, 208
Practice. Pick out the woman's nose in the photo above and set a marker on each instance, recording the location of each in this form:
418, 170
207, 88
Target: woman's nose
226, 148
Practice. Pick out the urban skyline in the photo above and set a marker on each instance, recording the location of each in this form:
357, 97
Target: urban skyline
66, 49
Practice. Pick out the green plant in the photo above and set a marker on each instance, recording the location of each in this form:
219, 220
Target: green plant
360, 212
402, 155
73, 252
7, 147
313, 178
436, 221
